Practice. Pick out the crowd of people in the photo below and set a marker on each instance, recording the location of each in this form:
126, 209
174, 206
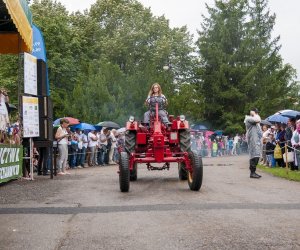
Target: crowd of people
83, 148
278, 139
218, 145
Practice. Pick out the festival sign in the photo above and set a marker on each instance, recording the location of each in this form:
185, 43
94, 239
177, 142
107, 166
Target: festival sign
39, 50
11, 158
31, 125
30, 74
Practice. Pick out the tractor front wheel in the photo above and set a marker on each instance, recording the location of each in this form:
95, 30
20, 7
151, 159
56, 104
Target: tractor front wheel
182, 173
133, 173
124, 172
195, 176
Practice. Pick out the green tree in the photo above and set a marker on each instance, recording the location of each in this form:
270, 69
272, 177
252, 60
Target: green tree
10, 75
54, 21
240, 63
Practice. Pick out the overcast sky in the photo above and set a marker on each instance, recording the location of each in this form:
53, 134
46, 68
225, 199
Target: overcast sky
189, 13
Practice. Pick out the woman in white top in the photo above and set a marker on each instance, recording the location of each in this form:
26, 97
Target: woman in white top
4, 119
93, 141
62, 140
113, 146
296, 145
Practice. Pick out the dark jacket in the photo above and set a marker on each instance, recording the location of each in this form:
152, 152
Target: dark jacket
270, 146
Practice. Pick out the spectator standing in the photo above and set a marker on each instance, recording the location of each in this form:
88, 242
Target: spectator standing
121, 142
209, 146
214, 149
4, 119
235, 142
230, 146
113, 150
225, 145
280, 139
265, 137
220, 147
109, 143
291, 127
199, 144
92, 143
78, 136
16, 134
296, 145
270, 146
73, 151
254, 135
84, 140
62, 140
102, 145
193, 142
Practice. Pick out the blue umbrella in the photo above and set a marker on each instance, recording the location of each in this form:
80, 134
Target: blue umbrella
98, 128
84, 126
277, 118
219, 132
199, 127
289, 113
264, 122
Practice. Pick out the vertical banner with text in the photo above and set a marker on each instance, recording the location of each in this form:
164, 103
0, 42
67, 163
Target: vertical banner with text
30, 74
31, 124
11, 158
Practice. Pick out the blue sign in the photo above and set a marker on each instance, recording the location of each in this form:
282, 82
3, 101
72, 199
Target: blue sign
39, 50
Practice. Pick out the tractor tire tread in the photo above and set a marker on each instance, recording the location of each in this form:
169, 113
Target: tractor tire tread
124, 172
197, 176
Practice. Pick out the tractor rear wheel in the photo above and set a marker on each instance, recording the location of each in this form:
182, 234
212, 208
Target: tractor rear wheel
124, 172
130, 141
195, 176
133, 173
182, 173
185, 140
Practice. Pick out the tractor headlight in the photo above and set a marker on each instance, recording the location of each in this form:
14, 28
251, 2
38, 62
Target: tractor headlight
182, 118
131, 118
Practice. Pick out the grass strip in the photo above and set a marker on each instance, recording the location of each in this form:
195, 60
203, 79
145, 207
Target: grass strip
281, 172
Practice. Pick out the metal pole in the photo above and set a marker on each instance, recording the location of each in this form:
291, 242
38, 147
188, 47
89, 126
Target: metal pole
31, 158
50, 149
286, 158
54, 163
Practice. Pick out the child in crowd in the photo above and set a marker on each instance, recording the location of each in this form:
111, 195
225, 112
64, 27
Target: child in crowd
230, 146
214, 148
270, 146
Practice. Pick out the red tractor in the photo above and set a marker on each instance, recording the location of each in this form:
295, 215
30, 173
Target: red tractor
159, 143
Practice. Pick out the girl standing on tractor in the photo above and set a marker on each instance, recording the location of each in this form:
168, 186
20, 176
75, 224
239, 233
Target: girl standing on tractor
156, 96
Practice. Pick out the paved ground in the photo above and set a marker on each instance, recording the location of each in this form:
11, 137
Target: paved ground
87, 211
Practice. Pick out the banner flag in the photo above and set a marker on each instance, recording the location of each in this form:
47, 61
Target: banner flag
39, 50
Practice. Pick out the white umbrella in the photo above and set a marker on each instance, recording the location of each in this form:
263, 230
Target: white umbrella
121, 130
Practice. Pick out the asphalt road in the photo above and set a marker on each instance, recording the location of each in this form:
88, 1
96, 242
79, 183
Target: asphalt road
86, 210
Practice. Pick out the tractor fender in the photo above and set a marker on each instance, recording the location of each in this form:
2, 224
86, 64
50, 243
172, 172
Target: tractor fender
132, 125
181, 125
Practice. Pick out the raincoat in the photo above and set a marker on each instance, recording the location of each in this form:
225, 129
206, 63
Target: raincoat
253, 135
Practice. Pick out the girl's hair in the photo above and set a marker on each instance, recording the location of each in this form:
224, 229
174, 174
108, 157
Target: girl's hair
64, 120
151, 92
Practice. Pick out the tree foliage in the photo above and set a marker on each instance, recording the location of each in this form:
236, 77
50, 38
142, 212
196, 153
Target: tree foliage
240, 63
102, 62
